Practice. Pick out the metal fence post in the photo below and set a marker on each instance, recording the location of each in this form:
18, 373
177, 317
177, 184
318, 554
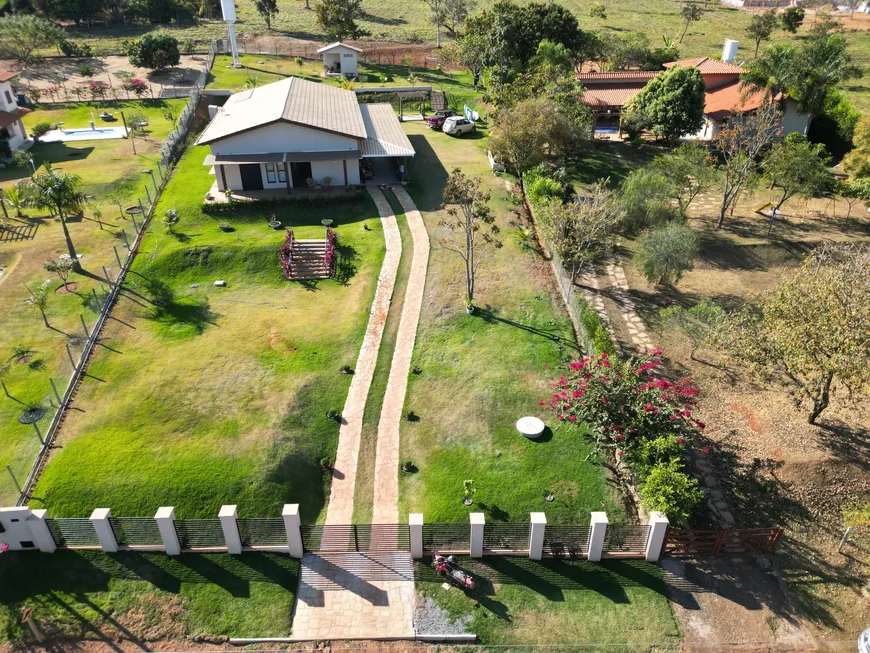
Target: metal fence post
56, 393
477, 521
536, 535
415, 524
84, 326
165, 518
596, 536
655, 542
294, 531
230, 525
103, 528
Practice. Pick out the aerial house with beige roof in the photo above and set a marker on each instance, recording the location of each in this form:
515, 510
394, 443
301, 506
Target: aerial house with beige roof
295, 134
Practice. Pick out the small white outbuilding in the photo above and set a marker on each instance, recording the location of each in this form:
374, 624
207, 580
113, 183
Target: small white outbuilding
340, 60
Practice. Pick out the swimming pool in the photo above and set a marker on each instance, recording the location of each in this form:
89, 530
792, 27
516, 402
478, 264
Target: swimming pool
83, 134
605, 129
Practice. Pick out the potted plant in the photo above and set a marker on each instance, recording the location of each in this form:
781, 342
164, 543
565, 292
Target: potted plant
325, 465
229, 193
469, 307
274, 222
347, 369
468, 490
224, 226
333, 414
409, 467
411, 416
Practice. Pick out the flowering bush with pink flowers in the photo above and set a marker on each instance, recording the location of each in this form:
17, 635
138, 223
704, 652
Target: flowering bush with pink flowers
643, 421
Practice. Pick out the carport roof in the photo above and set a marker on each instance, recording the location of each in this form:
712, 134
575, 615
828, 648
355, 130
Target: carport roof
385, 134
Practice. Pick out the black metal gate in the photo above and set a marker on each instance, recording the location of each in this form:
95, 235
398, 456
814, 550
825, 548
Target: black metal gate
356, 538
136, 531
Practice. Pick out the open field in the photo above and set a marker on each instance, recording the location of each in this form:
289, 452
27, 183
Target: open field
480, 373
204, 396
550, 603
111, 175
145, 597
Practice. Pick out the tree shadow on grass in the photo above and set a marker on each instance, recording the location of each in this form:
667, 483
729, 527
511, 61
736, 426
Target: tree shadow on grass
177, 317
347, 264
556, 335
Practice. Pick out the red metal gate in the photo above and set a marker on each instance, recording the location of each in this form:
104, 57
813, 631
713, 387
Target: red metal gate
686, 543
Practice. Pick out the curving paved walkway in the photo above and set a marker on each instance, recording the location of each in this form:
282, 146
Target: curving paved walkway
340, 509
386, 483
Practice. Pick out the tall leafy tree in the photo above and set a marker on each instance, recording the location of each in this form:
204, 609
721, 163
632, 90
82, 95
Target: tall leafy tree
813, 329
337, 19
154, 51
739, 143
665, 253
436, 7
469, 215
792, 18
454, 13
691, 12
672, 103
761, 27
22, 35
60, 192
797, 167
689, 169
857, 162
268, 9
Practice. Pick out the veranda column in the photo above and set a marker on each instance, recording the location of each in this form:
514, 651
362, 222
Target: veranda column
230, 525
415, 524
477, 520
536, 535
165, 518
596, 536
105, 533
294, 531
38, 525
655, 542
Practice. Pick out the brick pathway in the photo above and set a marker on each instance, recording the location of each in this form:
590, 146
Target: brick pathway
636, 328
340, 509
355, 595
386, 484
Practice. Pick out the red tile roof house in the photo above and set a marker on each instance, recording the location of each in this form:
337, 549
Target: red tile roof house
608, 93
11, 128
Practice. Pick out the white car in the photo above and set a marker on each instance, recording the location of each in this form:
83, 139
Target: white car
864, 642
458, 125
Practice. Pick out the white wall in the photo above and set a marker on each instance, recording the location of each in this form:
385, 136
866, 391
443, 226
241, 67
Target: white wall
792, 121
347, 57
233, 176
4, 105
16, 135
283, 137
14, 522
319, 169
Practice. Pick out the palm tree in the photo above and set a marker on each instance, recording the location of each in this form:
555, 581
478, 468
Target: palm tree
16, 197
39, 299
58, 191
5, 369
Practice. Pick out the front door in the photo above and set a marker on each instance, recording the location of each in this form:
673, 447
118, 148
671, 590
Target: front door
252, 177
301, 173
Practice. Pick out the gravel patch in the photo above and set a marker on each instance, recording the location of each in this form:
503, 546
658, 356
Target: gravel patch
430, 619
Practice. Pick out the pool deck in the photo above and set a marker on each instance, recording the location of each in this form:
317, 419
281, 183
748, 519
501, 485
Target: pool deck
83, 134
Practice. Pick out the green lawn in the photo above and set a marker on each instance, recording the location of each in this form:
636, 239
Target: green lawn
147, 596
110, 173
554, 603
204, 396
481, 373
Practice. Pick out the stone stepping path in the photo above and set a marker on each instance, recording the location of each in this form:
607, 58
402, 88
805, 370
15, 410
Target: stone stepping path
355, 596
636, 328
340, 509
386, 481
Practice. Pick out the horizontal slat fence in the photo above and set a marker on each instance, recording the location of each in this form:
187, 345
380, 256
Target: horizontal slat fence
199, 533
262, 532
689, 543
136, 531
570, 541
450, 537
626, 538
73, 532
356, 537
506, 536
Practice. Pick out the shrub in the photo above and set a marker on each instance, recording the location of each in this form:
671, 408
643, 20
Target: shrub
665, 253
541, 189
670, 491
646, 200
85, 70
73, 49
154, 51
595, 332
40, 129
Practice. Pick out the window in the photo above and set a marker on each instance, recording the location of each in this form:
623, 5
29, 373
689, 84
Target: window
282, 173
270, 173
27, 544
8, 97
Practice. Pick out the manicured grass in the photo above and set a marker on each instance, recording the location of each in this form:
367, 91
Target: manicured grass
480, 373
147, 596
521, 601
204, 396
110, 173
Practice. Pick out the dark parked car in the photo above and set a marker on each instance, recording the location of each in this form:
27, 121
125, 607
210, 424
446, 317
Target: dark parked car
436, 120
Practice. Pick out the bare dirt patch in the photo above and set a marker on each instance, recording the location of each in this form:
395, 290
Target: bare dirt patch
72, 286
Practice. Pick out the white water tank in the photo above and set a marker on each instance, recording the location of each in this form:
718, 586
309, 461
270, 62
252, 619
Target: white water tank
228, 7
729, 52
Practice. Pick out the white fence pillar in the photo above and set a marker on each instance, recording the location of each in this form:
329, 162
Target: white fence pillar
477, 520
166, 523
39, 530
415, 524
596, 536
536, 535
105, 533
655, 542
230, 525
294, 532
